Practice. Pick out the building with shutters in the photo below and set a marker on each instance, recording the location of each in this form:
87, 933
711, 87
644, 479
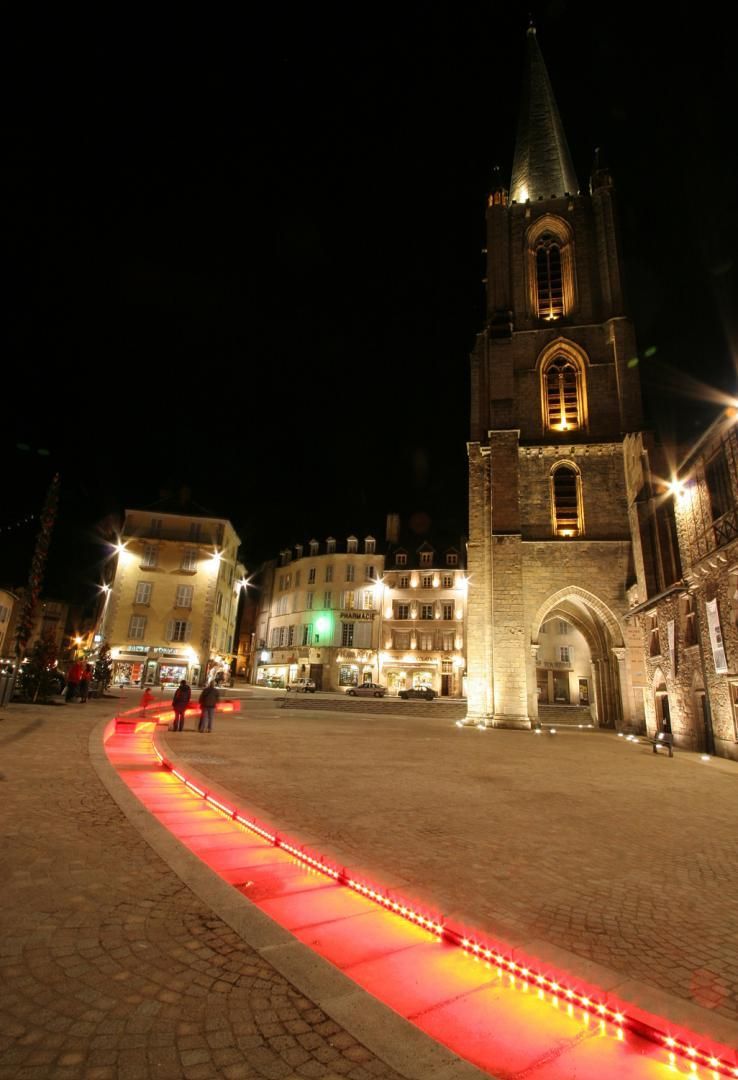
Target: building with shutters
170, 612
320, 614
423, 607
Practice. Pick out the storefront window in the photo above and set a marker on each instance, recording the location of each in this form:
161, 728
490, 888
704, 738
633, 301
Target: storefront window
348, 675
173, 673
127, 673
423, 678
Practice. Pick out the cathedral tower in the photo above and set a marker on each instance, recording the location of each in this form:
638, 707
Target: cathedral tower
553, 393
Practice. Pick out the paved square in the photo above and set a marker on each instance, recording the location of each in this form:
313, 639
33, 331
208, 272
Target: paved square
583, 840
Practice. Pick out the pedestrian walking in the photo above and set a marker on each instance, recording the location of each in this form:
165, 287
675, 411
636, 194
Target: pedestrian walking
146, 699
84, 682
74, 674
180, 701
208, 700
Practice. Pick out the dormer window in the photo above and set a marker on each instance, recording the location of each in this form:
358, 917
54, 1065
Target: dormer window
452, 559
352, 545
400, 559
370, 545
330, 545
426, 558
298, 551
313, 547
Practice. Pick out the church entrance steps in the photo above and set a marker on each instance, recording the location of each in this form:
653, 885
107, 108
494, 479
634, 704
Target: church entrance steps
564, 716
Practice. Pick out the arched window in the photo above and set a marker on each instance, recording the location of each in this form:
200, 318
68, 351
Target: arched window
549, 282
551, 285
566, 500
562, 395
562, 368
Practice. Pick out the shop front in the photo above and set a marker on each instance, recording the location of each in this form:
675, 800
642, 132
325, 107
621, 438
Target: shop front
354, 668
410, 674
142, 666
276, 676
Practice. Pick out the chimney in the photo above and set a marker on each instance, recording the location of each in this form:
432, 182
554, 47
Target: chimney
392, 534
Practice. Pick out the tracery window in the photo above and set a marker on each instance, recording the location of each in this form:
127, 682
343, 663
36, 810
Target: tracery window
550, 268
562, 368
562, 378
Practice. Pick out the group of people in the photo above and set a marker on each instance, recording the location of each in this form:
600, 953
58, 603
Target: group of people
207, 701
79, 677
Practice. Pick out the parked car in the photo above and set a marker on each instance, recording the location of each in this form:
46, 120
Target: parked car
367, 689
306, 686
426, 692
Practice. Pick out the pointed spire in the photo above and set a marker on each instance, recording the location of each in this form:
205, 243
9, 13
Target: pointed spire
542, 165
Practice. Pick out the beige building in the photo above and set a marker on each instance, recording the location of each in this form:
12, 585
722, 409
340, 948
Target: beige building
320, 615
554, 389
170, 612
8, 601
423, 607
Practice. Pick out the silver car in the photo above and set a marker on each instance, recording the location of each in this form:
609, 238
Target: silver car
367, 689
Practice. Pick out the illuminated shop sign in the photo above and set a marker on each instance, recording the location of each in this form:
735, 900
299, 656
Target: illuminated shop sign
358, 614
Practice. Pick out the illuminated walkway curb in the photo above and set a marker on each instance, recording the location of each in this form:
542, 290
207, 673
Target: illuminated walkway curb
503, 1014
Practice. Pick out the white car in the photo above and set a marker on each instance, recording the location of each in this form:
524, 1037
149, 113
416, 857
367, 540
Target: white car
306, 686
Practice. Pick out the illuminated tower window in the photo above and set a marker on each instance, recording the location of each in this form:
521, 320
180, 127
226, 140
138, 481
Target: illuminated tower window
562, 395
549, 279
550, 268
566, 501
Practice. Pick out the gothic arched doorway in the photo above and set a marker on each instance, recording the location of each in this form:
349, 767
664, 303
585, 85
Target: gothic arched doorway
577, 649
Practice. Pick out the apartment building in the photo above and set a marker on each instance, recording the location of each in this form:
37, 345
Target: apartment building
320, 614
423, 608
171, 606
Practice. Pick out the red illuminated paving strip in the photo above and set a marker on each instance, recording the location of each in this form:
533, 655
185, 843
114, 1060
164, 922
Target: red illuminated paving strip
498, 1012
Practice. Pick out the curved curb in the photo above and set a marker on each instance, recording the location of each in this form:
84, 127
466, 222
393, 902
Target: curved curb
397, 1042
647, 1000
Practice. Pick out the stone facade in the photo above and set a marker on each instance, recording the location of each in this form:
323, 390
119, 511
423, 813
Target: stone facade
685, 601
553, 394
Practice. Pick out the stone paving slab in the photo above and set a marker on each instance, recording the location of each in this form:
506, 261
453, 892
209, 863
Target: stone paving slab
110, 967
579, 842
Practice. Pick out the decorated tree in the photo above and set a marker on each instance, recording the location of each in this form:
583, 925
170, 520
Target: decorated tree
39, 679
104, 667
38, 565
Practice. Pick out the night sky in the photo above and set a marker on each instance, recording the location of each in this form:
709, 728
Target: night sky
243, 251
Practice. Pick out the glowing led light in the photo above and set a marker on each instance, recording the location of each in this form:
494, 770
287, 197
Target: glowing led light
705, 757
440, 932
552, 731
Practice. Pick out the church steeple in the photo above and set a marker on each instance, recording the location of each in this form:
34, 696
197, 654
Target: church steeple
542, 165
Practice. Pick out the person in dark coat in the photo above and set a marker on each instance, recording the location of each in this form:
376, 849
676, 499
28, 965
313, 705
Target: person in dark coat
180, 701
208, 700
